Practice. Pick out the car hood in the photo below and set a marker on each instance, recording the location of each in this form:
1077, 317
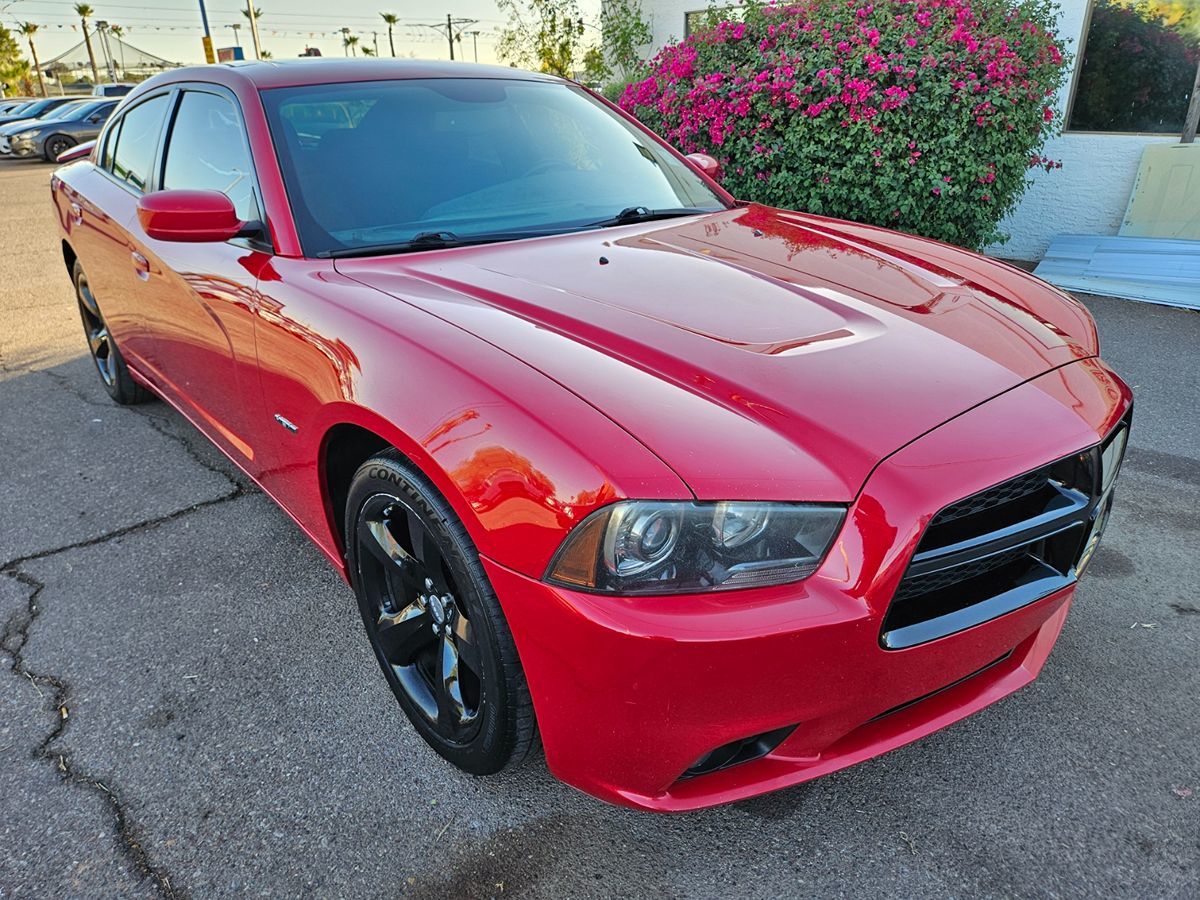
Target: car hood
760, 353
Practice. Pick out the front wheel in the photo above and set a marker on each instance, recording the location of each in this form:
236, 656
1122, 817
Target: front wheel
57, 145
433, 619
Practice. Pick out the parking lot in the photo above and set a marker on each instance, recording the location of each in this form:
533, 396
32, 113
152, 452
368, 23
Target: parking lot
189, 707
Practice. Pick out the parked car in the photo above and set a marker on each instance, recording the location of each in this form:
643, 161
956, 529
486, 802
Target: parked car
53, 137
53, 114
711, 497
35, 108
112, 90
8, 104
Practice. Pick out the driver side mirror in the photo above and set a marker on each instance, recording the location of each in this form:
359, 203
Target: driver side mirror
189, 216
706, 164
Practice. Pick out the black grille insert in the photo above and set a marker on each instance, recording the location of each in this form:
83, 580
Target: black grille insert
1000, 549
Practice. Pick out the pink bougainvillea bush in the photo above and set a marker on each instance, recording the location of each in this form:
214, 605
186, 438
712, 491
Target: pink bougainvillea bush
922, 115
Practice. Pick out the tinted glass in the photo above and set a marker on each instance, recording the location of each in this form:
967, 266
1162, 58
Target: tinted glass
138, 141
207, 151
379, 162
1139, 65
77, 113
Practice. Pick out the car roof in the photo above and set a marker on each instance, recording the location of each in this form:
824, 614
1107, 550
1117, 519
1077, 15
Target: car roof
266, 74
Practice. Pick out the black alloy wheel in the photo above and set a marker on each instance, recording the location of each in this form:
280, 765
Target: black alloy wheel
433, 620
114, 374
57, 145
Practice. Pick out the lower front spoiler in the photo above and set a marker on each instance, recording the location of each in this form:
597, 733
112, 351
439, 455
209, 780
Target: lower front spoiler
883, 733
629, 695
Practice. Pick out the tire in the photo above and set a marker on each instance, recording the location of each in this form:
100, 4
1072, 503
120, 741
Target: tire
433, 620
56, 145
114, 374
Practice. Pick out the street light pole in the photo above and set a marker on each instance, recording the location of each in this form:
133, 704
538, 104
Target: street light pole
252, 13
475, 44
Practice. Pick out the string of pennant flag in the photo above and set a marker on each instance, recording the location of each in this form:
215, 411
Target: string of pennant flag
411, 34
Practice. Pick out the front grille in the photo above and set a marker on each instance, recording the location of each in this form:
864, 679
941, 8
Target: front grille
1003, 548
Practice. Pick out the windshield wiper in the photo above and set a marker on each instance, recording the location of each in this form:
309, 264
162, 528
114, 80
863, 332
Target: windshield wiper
631, 214
426, 240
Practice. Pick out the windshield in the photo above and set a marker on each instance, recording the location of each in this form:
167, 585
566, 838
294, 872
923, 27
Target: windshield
383, 162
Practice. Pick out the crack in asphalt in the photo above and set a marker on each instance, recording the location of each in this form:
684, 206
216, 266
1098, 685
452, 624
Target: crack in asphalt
12, 642
16, 635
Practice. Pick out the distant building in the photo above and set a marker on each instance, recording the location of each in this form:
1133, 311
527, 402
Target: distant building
1108, 119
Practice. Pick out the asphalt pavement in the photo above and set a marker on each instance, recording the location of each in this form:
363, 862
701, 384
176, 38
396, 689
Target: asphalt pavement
188, 706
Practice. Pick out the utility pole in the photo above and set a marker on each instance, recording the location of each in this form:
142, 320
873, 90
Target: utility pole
448, 29
209, 56
375, 41
1192, 119
252, 14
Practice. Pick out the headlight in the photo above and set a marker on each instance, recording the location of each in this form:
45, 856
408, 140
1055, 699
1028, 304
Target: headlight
26, 134
668, 547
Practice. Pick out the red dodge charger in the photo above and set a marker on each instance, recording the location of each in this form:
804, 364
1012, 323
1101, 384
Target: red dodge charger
707, 498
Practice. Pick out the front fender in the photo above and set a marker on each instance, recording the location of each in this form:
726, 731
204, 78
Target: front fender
519, 458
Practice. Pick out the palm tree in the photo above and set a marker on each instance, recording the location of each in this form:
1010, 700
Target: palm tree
392, 21
85, 12
118, 32
28, 30
350, 42
258, 13
265, 54
367, 51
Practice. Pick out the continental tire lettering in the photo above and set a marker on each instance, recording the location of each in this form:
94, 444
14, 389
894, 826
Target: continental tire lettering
385, 474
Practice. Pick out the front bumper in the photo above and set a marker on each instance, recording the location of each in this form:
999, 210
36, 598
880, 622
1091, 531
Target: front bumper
631, 692
22, 148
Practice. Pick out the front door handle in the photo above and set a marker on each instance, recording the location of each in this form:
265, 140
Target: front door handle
76, 214
141, 265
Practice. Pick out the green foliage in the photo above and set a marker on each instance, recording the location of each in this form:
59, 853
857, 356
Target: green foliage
544, 35
623, 31
921, 115
14, 68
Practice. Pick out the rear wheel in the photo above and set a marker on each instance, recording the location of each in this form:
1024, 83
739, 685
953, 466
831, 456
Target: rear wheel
114, 374
433, 619
56, 145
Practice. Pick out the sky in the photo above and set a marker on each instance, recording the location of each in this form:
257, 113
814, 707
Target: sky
172, 29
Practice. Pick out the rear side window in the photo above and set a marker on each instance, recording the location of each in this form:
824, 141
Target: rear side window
207, 151
137, 141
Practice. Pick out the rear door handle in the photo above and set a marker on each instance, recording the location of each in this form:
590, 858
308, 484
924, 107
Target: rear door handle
141, 265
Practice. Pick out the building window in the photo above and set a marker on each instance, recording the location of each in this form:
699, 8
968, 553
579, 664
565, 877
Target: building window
1138, 66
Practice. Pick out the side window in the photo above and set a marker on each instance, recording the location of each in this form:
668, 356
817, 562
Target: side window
137, 141
110, 144
207, 151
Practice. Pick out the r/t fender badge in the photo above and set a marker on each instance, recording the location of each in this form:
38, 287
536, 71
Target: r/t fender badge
290, 426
